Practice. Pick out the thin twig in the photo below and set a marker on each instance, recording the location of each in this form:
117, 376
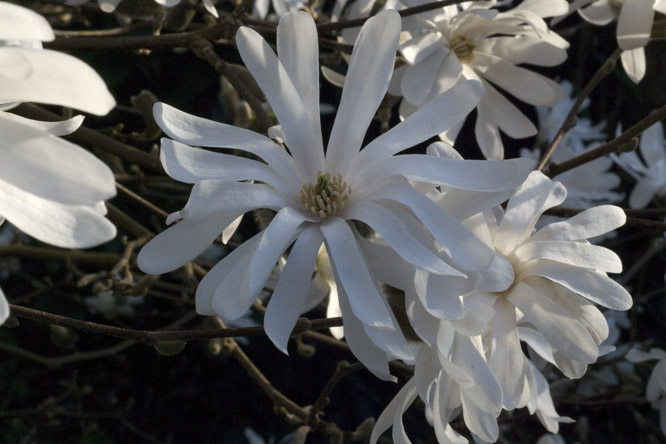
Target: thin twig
570, 120
52, 254
342, 370
151, 206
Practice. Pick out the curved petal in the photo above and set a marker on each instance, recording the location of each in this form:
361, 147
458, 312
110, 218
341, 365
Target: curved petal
586, 224
351, 270
51, 82
286, 303
306, 149
61, 128
17, 22
633, 62
50, 167
368, 76
65, 226
577, 254
299, 54
634, 24
4, 305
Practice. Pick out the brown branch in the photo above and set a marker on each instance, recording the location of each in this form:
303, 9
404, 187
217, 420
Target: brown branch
621, 143
570, 120
52, 254
151, 206
152, 337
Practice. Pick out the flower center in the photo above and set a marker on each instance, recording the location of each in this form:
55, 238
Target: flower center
463, 48
329, 195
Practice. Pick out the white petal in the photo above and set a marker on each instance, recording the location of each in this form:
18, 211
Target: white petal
61, 128
633, 62
190, 165
561, 329
395, 233
436, 116
17, 22
643, 193
652, 144
196, 131
286, 303
418, 80
367, 80
486, 393
397, 406
634, 24
181, 243
50, 167
507, 357
598, 13
421, 46
352, 271
66, 226
577, 254
505, 114
299, 54
4, 305
595, 286
589, 223
487, 133
456, 240
51, 83
306, 148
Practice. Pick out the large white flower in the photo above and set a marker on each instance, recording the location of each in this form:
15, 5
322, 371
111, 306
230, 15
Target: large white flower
450, 45
49, 188
317, 195
634, 26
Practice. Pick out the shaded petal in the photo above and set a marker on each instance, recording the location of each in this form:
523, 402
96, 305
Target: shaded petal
65, 226
418, 80
299, 54
561, 329
589, 223
593, 285
50, 167
51, 82
17, 22
289, 295
351, 270
506, 357
643, 193
634, 24
61, 128
577, 254
395, 408
633, 62
423, 45
4, 305
306, 148
368, 76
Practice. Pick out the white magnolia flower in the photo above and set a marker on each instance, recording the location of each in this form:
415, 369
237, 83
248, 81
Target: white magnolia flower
111, 5
650, 173
316, 195
634, 26
656, 386
49, 188
445, 46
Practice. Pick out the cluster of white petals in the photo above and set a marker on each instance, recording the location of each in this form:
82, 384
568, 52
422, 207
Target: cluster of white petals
50, 189
634, 27
650, 172
541, 289
446, 46
111, 5
655, 391
317, 195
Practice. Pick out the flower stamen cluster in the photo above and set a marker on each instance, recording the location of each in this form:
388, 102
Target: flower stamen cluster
463, 48
328, 196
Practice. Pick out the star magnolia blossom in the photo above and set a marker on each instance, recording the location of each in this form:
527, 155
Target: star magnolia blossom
447, 46
634, 26
49, 188
111, 5
650, 173
316, 195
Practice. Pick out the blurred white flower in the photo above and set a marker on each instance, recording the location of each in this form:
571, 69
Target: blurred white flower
111, 5
112, 306
445, 46
656, 386
634, 26
316, 195
650, 172
50, 189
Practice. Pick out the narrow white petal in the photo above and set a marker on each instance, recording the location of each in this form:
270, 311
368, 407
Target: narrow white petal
593, 285
398, 405
418, 80
306, 148
51, 82
353, 273
487, 133
4, 305
61, 128
505, 114
589, 223
66, 226
17, 22
643, 193
652, 144
181, 243
577, 254
299, 54
367, 80
395, 233
507, 357
561, 329
634, 64
486, 392
197, 131
634, 24
50, 167
286, 303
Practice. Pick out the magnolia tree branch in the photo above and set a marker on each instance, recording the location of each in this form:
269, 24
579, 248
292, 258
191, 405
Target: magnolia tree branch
53, 254
153, 337
624, 142
570, 120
